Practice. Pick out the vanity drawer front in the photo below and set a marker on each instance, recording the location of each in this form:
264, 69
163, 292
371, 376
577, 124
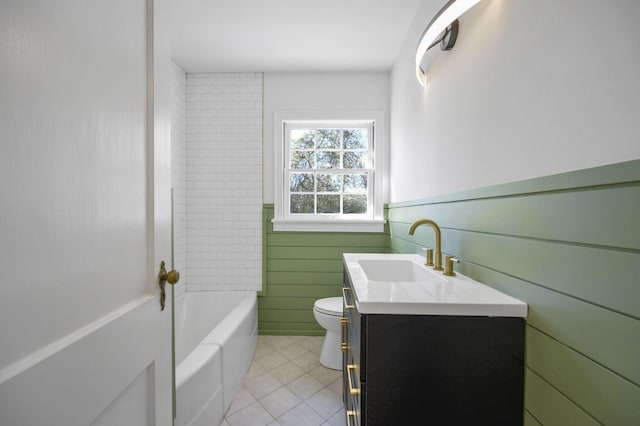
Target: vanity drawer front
354, 338
354, 395
351, 337
355, 329
355, 411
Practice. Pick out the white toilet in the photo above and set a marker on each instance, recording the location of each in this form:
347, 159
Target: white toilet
328, 313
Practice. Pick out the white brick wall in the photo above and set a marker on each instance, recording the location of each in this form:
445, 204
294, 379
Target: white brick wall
179, 173
224, 181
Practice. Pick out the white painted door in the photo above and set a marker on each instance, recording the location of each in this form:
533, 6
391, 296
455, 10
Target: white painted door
84, 213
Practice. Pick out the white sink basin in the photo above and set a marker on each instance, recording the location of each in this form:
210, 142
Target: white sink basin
395, 271
401, 284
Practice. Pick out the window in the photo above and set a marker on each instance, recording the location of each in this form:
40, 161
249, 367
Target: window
328, 176
329, 169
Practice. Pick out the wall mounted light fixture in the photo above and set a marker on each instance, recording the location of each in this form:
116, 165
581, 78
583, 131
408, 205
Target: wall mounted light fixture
443, 30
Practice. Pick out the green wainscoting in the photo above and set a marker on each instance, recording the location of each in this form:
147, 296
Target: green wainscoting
301, 267
569, 246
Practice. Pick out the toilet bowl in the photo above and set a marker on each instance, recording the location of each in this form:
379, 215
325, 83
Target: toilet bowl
328, 312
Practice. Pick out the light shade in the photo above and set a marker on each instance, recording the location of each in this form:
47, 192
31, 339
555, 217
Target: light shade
432, 35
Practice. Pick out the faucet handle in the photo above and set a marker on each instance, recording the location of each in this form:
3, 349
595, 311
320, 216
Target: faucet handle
428, 256
448, 265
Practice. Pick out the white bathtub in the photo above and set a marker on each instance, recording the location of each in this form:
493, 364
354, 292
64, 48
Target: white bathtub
216, 337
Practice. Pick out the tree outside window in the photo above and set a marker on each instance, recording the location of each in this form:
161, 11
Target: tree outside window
329, 169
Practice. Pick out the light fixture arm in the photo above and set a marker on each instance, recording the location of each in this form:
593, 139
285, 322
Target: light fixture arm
447, 38
442, 29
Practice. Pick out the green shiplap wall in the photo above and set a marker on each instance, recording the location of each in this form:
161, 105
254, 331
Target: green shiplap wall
569, 246
301, 267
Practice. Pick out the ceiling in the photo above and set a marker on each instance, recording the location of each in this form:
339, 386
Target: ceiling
289, 35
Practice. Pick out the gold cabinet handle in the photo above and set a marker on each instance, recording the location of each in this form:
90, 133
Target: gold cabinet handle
343, 323
352, 389
344, 298
351, 414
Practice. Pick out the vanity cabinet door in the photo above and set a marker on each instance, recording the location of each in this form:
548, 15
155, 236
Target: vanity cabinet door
444, 370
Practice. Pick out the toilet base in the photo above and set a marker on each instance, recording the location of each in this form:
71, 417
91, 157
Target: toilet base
331, 355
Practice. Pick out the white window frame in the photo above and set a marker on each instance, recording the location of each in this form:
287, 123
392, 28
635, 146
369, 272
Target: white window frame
283, 220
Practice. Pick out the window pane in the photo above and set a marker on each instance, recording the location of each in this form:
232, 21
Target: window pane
301, 203
329, 183
328, 159
302, 139
355, 183
355, 204
301, 182
355, 160
328, 203
302, 160
328, 139
355, 139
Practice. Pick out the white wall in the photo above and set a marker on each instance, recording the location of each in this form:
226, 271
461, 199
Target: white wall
318, 92
224, 181
531, 88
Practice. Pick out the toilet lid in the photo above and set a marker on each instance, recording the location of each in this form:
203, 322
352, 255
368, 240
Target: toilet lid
329, 306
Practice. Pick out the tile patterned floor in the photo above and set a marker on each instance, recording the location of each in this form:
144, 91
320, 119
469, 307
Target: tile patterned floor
286, 385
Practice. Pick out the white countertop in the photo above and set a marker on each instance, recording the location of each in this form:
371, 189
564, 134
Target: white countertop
431, 294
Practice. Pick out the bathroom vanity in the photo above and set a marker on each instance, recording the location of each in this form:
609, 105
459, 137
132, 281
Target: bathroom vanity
421, 348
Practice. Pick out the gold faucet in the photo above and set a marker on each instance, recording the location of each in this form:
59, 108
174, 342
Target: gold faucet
436, 229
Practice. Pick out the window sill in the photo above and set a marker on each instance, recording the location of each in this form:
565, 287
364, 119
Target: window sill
280, 225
